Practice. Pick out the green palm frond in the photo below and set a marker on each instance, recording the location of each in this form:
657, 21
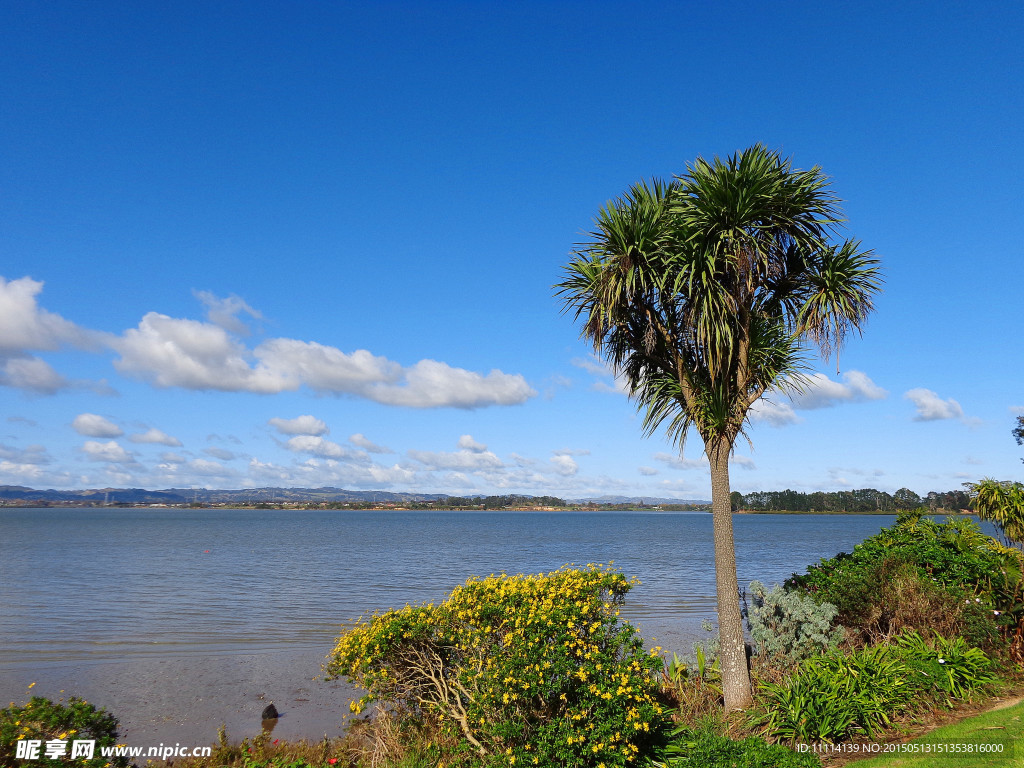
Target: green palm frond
703, 291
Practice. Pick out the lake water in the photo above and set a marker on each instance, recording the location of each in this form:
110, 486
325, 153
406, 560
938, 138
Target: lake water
180, 620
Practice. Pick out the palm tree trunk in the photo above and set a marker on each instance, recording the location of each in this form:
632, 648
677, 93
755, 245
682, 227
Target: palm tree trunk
735, 673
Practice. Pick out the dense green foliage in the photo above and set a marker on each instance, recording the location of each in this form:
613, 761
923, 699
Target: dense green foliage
791, 626
528, 670
839, 695
864, 500
60, 723
921, 574
702, 748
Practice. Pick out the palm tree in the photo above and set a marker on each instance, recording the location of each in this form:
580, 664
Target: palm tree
1002, 503
703, 292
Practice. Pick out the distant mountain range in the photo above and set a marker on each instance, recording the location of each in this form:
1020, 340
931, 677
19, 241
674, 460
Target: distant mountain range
99, 496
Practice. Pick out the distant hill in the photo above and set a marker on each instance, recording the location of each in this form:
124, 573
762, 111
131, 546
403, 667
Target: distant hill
205, 496
105, 496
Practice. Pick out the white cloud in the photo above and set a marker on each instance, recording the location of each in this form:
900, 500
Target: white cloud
467, 443
474, 457
817, 391
172, 352
821, 392
26, 326
219, 453
208, 468
110, 452
224, 312
300, 425
742, 461
647, 471
92, 425
32, 375
172, 458
564, 464
773, 413
318, 446
155, 436
607, 381
678, 462
361, 441
931, 407
1017, 409
32, 454
432, 384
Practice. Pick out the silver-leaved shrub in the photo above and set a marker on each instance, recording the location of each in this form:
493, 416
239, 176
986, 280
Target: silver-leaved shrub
791, 625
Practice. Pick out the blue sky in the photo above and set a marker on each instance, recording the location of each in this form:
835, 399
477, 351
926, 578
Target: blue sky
309, 244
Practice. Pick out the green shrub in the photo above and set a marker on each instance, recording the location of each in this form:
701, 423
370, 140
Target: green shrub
839, 695
945, 668
835, 696
60, 723
920, 575
791, 626
521, 670
701, 748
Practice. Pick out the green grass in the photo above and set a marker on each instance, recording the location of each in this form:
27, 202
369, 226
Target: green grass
1003, 726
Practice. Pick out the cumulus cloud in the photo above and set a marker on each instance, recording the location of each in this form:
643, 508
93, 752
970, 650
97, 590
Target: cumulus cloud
32, 374
315, 445
470, 456
647, 471
92, 425
110, 452
300, 425
822, 392
156, 437
32, 454
360, 440
467, 443
931, 407
564, 464
24, 325
224, 312
773, 413
174, 352
817, 391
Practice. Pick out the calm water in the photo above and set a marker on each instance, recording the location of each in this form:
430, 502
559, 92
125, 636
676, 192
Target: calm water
176, 619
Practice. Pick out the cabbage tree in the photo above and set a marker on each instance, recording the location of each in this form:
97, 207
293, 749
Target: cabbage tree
704, 293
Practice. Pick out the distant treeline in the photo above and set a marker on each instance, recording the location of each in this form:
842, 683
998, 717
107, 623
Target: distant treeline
499, 502
864, 500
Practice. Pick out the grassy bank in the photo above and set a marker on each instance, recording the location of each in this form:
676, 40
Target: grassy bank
1000, 729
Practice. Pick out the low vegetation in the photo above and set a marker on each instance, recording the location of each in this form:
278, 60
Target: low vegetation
541, 669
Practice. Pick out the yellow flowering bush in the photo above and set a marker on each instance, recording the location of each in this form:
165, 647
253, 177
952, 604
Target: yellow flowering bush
521, 670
